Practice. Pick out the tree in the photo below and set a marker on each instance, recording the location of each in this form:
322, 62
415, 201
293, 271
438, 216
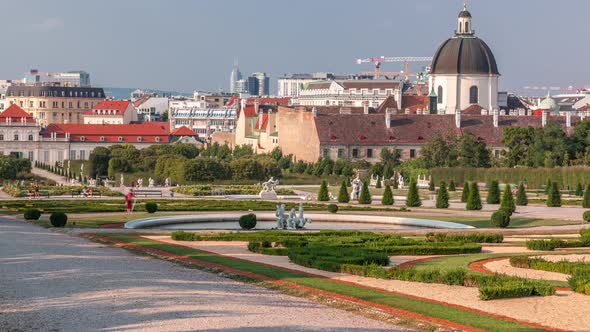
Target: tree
493, 193
452, 186
465, 193
554, 197
378, 184
431, 186
323, 195
437, 152
365, 197
277, 153
164, 116
395, 184
442, 198
508, 200
579, 190
474, 200
586, 200
343, 195
521, 198
387, 196
548, 186
413, 198
473, 151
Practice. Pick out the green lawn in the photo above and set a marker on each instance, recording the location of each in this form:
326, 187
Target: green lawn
384, 298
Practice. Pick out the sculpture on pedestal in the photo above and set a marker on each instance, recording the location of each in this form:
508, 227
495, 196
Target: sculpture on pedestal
357, 186
292, 221
268, 189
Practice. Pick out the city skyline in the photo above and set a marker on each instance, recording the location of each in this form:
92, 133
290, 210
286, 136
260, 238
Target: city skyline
150, 44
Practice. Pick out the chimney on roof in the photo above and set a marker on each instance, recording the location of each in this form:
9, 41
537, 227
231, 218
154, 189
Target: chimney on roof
496, 115
544, 118
568, 119
366, 109
458, 119
388, 118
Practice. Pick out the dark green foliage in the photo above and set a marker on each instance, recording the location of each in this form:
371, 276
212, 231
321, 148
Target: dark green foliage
579, 190
151, 207
365, 197
332, 208
431, 186
248, 221
442, 197
323, 195
465, 193
548, 186
508, 201
58, 219
332, 258
493, 193
387, 196
544, 245
465, 238
521, 198
413, 198
343, 195
501, 218
474, 201
535, 263
586, 216
395, 184
586, 201
378, 185
579, 281
32, 214
185, 236
452, 186
554, 197
12, 168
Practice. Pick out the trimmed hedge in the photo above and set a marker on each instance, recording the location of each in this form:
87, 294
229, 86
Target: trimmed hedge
248, 221
579, 281
58, 219
330, 258
493, 193
265, 248
185, 236
501, 218
465, 238
151, 207
586, 216
32, 214
544, 245
332, 208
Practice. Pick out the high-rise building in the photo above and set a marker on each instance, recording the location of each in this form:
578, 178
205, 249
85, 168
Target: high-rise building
263, 84
234, 78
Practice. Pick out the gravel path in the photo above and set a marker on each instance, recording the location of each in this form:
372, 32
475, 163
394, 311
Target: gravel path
51, 281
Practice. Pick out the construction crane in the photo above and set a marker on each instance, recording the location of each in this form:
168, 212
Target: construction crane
377, 61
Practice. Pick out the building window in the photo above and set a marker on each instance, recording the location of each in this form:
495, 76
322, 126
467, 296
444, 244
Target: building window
355, 153
31, 155
82, 155
369, 153
412, 153
440, 94
120, 139
30, 137
497, 153
82, 138
1, 137
473, 95
157, 139
325, 153
139, 139
16, 137
340, 153
102, 138
72, 154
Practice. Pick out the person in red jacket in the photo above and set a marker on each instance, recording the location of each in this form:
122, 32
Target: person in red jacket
129, 200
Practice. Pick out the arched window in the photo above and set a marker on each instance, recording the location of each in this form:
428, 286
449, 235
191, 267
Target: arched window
466, 27
473, 95
440, 94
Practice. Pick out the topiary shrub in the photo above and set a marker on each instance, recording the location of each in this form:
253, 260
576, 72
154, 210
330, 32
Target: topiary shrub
58, 219
465, 193
586, 201
365, 197
431, 186
579, 190
248, 221
474, 201
413, 198
442, 198
32, 214
501, 218
554, 196
508, 201
387, 196
332, 208
343, 195
378, 184
521, 199
323, 195
395, 184
493, 193
452, 186
587, 216
151, 207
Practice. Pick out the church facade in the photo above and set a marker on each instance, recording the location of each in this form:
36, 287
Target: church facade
464, 72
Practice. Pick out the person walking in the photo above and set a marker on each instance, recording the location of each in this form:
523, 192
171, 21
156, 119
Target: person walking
129, 200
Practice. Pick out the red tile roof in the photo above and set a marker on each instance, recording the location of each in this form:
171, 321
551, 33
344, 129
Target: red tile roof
414, 103
389, 102
148, 131
16, 114
262, 122
119, 106
140, 101
184, 131
474, 109
283, 101
250, 111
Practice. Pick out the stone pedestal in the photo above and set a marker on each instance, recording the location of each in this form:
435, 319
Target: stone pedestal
268, 195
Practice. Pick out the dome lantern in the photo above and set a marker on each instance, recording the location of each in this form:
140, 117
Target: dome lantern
464, 26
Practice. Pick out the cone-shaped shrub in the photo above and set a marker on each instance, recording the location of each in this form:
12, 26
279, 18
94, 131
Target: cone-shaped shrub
413, 198
323, 195
343, 196
579, 190
494, 193
474, 201
365, 197
442, 198
586, 201
465, 193
387, 196
395, 184
554, 197
452, 186
548, 186
521, 199
508, 200
431, 185
378, 185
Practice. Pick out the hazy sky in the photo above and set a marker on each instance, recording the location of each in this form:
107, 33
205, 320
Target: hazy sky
191, 44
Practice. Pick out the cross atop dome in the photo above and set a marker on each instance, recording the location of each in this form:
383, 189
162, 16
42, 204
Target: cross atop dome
464, 22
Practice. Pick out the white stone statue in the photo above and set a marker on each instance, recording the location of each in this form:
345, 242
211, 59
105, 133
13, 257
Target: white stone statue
281, 217
82, 169
357, 186
374, 179
167, 182
92, 182
140, 182
150, 182
268, 189
400, 181
292, 221
122, 180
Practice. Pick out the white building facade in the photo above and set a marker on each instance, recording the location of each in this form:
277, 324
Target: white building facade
352, 93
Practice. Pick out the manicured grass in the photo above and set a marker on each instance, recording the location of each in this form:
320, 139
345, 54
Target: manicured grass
515, 222
396, 301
